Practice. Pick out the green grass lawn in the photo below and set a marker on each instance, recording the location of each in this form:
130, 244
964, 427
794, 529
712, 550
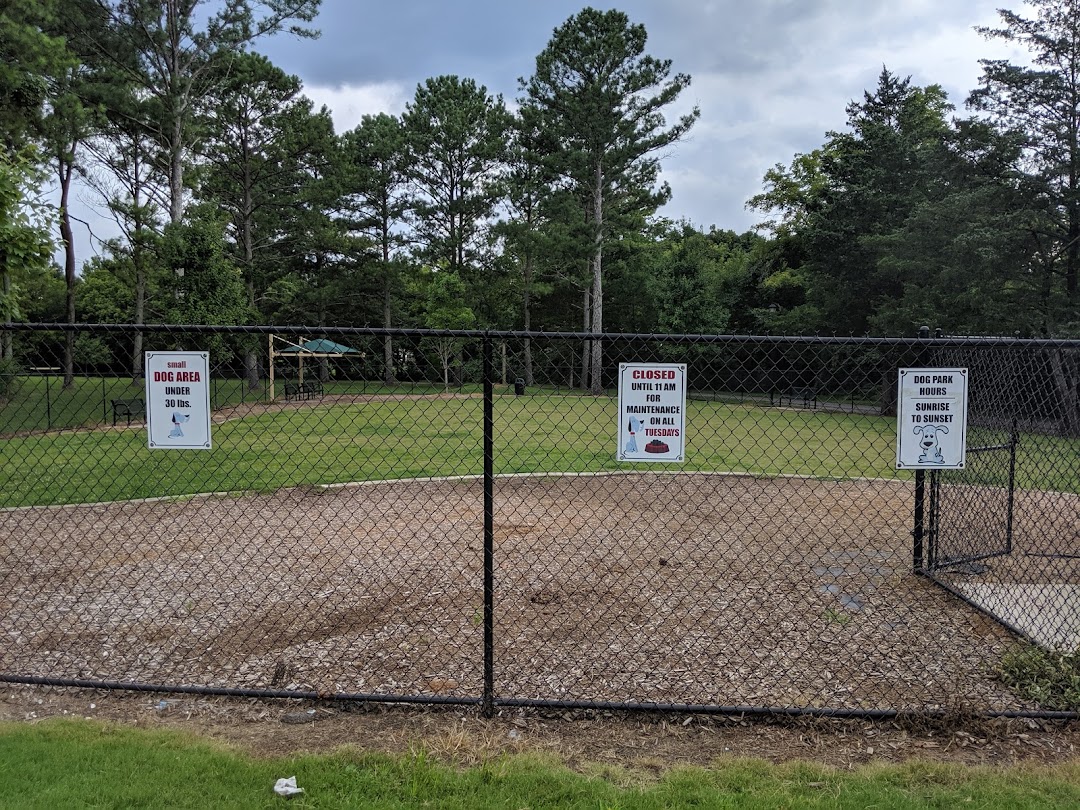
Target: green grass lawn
315, 444
42, 403
544, 432
81, 764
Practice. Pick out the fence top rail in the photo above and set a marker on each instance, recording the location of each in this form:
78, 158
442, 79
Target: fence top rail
481, 334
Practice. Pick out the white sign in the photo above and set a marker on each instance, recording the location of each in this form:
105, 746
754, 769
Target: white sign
178, 400
931, 419
652, 411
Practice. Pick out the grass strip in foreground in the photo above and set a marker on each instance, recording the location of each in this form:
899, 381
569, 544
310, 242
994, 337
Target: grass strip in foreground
70, 763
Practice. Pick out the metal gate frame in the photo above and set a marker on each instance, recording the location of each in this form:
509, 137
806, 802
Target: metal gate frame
939, 560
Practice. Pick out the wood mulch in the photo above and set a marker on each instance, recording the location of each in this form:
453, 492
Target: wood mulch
730, 590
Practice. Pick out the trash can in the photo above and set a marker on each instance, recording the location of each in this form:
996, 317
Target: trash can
519, 387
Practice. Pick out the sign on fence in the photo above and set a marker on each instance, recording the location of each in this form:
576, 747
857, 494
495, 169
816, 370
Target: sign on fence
652, 411
178, 400
931, 426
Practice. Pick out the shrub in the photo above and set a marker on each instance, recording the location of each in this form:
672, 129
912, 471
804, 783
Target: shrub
1051, 679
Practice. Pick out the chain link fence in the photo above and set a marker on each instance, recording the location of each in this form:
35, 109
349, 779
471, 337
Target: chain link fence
443, 517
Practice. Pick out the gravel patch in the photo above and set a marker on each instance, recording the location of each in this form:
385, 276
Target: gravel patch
730, 590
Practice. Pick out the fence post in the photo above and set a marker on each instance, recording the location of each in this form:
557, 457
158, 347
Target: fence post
1014, 440
48, 404
488, 702
917, 534
918, 530
104, 402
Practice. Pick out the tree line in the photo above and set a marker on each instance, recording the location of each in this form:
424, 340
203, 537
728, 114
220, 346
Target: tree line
237, 202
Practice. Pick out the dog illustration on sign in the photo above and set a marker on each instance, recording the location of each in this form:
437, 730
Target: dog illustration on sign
929, 443
177, 420
634, 427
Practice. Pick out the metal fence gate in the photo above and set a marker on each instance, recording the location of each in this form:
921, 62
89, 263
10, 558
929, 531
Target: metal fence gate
441, 517
997, 540
971, 510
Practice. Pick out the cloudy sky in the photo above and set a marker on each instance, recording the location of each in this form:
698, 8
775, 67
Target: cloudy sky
771, 77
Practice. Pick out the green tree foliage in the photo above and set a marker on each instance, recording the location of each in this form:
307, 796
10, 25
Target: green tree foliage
446, 308
962, 253
455, 136
602, 98
322, 266
842, 200
25, 246
1041, 103
377, 204
30, 55
204, 285
104, 292
177, 45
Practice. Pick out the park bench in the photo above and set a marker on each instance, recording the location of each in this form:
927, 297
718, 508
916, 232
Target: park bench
128, 408
308, 389
804, 397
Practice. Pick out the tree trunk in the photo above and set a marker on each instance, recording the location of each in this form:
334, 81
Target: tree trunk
66, 236
140, 314
251, 355
389, 373
1072, 254
445, 352
5, 337
597, 386
140, 278
1065, 370
586, 344
176, 166
887, 402
528, 318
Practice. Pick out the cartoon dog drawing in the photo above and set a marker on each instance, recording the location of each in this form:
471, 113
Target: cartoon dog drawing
177, 420
931, 450
634, 426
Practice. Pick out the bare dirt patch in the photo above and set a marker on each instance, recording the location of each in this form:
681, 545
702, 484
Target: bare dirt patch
724, 590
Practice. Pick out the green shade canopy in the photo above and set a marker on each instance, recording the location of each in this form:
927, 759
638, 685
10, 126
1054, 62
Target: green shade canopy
318, 346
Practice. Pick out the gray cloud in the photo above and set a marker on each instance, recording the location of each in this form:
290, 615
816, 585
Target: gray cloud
771, 77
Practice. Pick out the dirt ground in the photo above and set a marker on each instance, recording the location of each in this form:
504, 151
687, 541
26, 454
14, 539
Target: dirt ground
724, 590
720, 589
647, 744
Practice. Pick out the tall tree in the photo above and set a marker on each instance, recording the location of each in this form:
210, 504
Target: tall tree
843, 199
527, 188
72, 116
377, 204
455, 144
178, 43
30, 54
205, 287
602, 97
123, 153
1042, 102
24, 239
259, 132
446, 309
962, 254
317, 264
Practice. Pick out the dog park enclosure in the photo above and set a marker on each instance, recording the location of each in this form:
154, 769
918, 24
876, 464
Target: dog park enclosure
483, 544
